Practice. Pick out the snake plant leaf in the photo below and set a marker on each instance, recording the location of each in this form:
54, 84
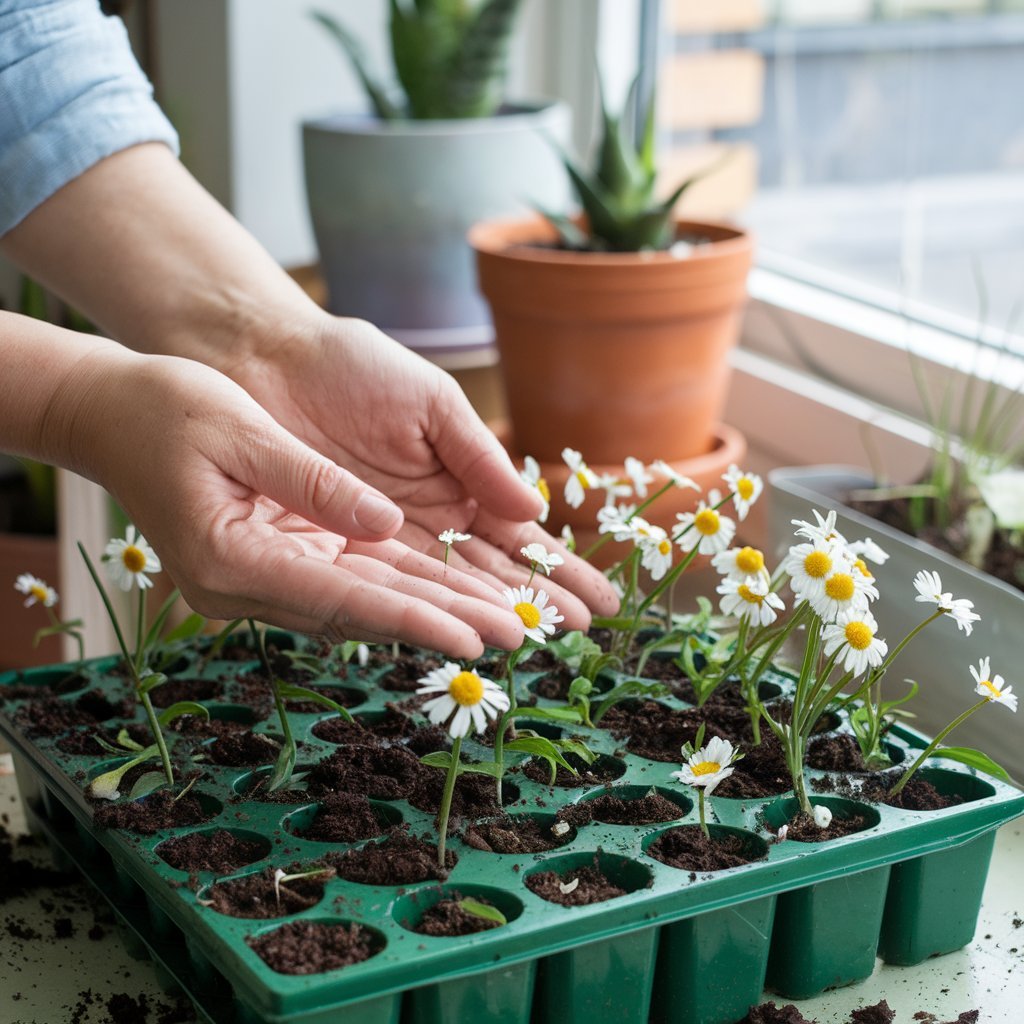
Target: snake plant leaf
481, 60
570, 234
422, 45
382, 106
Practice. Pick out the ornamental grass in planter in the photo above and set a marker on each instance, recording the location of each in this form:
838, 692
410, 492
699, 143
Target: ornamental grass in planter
651, 845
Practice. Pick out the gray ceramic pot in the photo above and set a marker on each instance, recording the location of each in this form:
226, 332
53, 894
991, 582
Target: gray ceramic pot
939, 658
391, 205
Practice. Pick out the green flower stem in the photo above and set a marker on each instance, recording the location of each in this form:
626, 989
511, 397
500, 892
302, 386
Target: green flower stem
282, 714
927, 752
57, 624
446, 801
880, 671
161, 745
601, 541
140, 632
700, 811
106, 604
533, 572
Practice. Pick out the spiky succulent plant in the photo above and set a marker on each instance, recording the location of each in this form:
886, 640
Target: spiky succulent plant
617, 196
449, 55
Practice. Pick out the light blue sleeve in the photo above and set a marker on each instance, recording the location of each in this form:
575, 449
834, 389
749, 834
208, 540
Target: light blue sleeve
71, 93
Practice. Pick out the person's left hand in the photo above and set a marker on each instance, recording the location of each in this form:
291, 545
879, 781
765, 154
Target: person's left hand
405, 427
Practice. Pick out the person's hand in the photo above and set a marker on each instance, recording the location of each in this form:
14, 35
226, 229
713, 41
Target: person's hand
249, 521
404, 426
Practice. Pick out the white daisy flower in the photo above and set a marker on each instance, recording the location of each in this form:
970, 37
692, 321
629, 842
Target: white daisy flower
929, 590
822, 816
531, 475
468, 699
129, 559
869, 550
450, 537
541, 558
750, 599
994, 689
708, 766
844, 591
854, 636
36, 590
655, 552
678, 480
636, 473
568, 537
581, 478
616, 520
809, 565
613, 487
536, 614
739, 563
824, 530
706, 529
746, 488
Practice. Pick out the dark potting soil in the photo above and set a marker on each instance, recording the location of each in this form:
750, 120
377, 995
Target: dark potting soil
880, 1013
400, 859
655, 730
243, 749
593, 886
1004, 559
662, 670
343, 695
555, 685
20, 876
344, 818
920, 795
474, 795
381, 773
406, 672
391, 725
769, 1013
604, 769
54, 715
761, 772
838, 753
650, 809
152, 813
448, 918
174, 690
219, 850
254, 896
309, 947
688, 848
207, 728
803, 829
507, 834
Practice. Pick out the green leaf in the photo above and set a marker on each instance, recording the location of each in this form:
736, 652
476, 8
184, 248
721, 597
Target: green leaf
540, 746
613, 622
191, 626
629, 688
182, 707
437, 759
482, 910
125, 741
973, 758
110, 748
570, 234
146, 784
496, 771
293, 692
579, 688
221, 639
71, 628
150, 681
283, 768
579, 748
476, 70
550, 714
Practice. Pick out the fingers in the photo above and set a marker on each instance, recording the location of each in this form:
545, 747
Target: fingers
475, 457
274, 463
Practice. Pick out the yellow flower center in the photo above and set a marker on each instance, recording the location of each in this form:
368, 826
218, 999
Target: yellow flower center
707, 522
991, 687
466, 688
745, 488
133, 558
748, 595
545, 491
529, 613
665, 547
706, 768
817, 564
750, 561
862, 567
583, 479
39, 593
840, 587
859, 635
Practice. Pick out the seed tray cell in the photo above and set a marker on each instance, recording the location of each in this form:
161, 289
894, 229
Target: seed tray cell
679, 947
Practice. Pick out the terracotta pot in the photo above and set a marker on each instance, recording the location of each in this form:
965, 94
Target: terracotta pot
37, 555
613, 354
728, 446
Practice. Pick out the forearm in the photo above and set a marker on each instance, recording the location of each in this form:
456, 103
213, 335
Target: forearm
48, 375
144, 251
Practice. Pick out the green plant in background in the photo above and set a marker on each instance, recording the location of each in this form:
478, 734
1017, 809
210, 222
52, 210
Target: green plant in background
449, 56
617, 195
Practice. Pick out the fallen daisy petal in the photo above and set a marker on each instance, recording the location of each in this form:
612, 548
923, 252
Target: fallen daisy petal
782, 834
568, 887
822, 816
560, 828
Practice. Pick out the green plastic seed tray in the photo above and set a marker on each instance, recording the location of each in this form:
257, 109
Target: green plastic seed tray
678, 947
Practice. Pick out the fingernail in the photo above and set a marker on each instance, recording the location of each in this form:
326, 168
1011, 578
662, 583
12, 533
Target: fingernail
376, 514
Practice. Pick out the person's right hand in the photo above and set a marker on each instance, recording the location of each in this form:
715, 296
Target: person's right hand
251, 522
